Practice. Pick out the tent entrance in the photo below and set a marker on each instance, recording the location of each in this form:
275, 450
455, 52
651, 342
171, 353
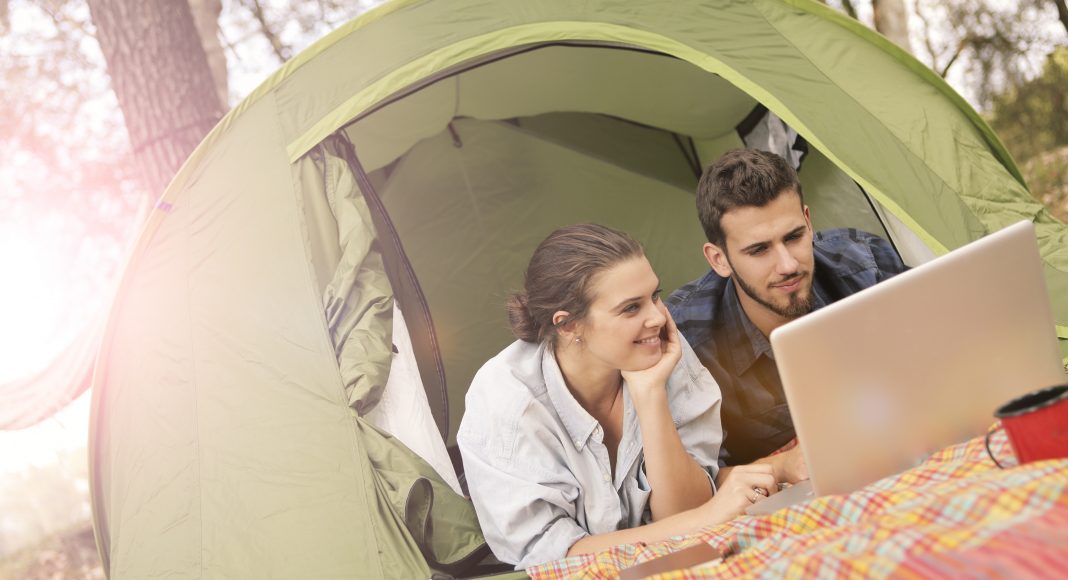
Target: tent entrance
477, 165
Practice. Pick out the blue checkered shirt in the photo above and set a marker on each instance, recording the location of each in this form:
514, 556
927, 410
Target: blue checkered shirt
756, 420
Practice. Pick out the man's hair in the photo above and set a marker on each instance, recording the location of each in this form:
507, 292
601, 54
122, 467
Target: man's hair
740, 178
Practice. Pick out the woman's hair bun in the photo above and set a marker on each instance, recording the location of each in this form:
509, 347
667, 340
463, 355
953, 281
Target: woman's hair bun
524, 327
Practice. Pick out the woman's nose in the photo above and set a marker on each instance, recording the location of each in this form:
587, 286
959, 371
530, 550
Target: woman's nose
657, 318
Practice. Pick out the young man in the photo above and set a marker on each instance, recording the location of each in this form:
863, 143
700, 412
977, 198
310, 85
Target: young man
768, 268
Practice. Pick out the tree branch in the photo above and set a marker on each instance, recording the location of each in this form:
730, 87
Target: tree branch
960, 50
849, 9
927, 35
280, 49
1062, 12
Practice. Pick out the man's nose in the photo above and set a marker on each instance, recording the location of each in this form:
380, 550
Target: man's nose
785, 262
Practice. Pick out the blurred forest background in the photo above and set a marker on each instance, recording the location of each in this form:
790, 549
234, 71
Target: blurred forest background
103, 100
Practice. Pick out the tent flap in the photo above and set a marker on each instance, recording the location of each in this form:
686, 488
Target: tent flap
358, 300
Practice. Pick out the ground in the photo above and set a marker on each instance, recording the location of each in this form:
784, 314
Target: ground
67, 555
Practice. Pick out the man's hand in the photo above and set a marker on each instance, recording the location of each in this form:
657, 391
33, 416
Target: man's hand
789, 465
738, 489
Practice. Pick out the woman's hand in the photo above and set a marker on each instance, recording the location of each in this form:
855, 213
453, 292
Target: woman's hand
738, 491
655, 377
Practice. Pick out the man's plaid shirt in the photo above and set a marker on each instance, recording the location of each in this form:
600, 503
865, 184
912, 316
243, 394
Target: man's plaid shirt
756, 420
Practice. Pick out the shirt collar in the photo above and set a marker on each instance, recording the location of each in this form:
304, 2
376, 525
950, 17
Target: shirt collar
577, 421
744, 340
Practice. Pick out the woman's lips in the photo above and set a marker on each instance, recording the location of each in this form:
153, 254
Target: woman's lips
651, 341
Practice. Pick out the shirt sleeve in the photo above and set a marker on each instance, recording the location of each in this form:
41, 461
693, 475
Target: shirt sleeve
695, 406
887, 260
526, 522
523, 492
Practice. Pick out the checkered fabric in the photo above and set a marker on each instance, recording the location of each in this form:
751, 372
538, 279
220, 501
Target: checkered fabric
955, 515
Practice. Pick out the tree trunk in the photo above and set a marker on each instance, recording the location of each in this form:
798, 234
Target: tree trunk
206, 18
892, 20
160, 74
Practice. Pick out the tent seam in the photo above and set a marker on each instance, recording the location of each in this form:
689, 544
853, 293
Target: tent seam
195, 383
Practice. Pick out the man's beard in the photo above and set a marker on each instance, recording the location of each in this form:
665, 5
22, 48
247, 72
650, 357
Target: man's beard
796, 308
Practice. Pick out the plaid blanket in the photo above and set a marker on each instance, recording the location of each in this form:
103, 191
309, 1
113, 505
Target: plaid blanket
955, 515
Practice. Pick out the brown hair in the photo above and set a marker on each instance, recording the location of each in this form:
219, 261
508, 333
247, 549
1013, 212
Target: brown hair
559, 277
741, 177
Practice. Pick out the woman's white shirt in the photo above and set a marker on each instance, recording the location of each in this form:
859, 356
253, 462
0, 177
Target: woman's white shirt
536, 464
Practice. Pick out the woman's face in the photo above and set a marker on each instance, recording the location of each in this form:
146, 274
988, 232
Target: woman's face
622, 328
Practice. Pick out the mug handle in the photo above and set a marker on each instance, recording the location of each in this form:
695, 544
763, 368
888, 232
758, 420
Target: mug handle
986, 443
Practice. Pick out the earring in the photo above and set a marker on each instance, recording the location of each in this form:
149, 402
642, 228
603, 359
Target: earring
578, 339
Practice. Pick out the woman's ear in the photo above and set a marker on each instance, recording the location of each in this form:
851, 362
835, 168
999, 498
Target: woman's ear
563, 325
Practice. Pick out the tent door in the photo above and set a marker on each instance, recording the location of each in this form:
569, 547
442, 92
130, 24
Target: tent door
407, 292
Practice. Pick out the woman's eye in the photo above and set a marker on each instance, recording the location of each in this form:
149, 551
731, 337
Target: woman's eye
630, 308
656, 295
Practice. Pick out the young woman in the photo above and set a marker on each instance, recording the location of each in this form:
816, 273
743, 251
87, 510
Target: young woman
599, 426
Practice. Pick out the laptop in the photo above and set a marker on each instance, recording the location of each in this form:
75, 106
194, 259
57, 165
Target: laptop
879, 380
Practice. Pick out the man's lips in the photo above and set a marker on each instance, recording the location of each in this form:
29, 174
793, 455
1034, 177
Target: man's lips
790, 284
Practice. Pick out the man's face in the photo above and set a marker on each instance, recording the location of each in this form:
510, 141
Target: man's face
769, 255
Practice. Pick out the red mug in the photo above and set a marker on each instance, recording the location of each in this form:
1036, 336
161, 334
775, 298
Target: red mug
1037, 424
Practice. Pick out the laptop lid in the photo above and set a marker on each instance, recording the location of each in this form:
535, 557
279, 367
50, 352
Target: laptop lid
879, 380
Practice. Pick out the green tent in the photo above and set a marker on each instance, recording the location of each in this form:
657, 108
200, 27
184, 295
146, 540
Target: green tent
409, 162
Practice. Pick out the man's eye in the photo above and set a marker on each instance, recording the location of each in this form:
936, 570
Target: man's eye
793, 237
758, 251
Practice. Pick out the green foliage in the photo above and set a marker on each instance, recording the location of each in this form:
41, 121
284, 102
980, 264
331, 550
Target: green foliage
1032, 118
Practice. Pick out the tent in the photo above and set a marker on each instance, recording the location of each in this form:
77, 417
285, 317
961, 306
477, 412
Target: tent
405, 166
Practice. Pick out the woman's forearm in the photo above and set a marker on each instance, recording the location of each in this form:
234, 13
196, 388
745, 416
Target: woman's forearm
677, 524
678, 483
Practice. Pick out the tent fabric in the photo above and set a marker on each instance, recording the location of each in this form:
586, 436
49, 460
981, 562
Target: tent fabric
415, 156
936, 173
403, 410
439, 521
358, 298
943, 174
